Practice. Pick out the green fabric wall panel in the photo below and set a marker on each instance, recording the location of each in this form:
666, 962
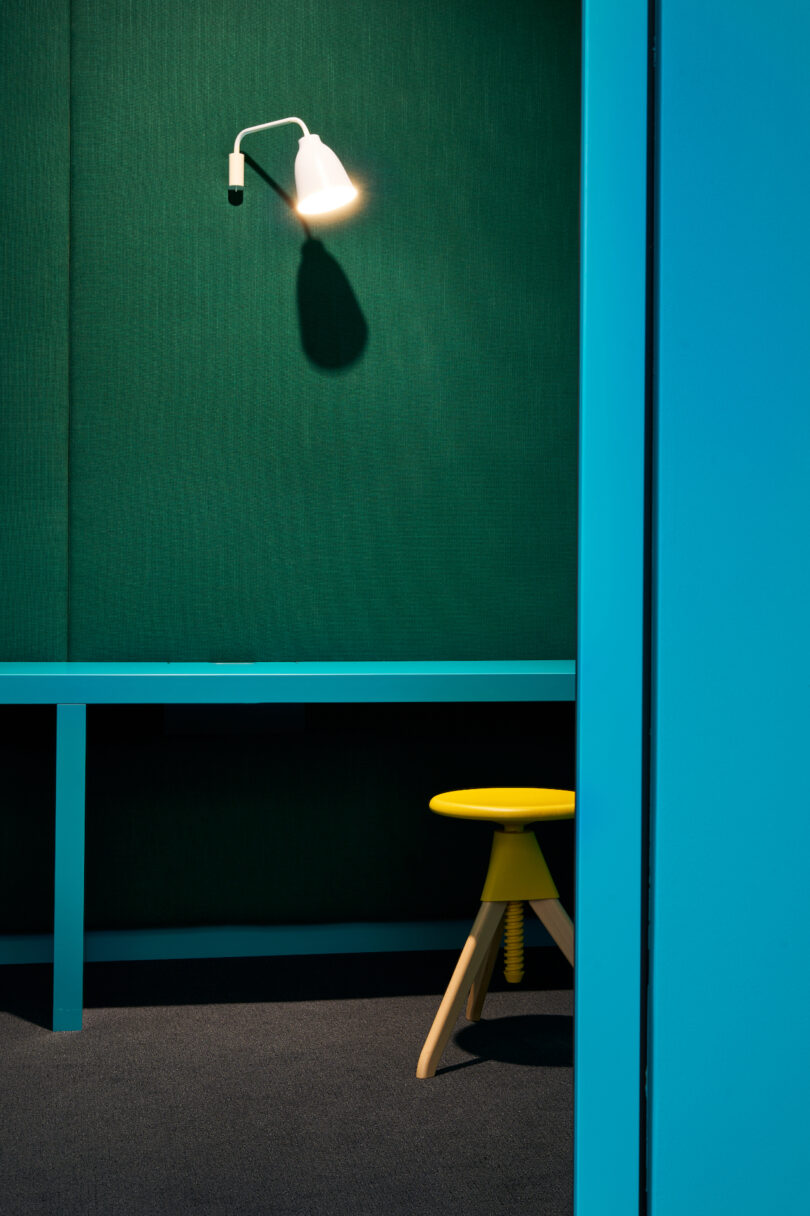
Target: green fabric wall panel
34, 407
357, 442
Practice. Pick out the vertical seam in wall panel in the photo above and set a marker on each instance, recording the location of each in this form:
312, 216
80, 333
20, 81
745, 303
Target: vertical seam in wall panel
68, 529
655, 8
649, 381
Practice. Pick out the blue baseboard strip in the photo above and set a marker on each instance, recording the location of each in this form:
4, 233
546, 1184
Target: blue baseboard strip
246, 941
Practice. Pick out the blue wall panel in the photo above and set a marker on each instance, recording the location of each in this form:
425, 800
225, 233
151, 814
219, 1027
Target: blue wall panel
731, 922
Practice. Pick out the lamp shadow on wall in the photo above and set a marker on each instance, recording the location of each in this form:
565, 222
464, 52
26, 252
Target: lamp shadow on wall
334, 332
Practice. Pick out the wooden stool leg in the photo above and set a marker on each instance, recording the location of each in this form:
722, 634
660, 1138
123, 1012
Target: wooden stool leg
472, 956
559, 924
480, 985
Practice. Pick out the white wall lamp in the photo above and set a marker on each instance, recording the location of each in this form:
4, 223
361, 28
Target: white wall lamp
321, 182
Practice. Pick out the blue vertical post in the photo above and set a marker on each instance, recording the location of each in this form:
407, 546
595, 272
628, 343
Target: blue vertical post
610, 661
68, 917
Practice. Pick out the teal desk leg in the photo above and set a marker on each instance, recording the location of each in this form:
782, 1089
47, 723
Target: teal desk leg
68, 917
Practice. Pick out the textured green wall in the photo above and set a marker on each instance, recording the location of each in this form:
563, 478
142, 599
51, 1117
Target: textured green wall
34, 147
233, 493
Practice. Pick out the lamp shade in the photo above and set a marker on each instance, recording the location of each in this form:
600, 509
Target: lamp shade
321, 182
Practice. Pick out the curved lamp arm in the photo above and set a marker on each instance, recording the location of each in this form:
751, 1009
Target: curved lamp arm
263, 127
321, 181
236, 159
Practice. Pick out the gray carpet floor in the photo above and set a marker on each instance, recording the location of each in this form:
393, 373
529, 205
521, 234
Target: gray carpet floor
285, 1087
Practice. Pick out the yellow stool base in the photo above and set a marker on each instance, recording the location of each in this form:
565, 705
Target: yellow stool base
517, 868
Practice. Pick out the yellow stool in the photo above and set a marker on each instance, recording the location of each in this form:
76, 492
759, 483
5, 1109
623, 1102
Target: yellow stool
517, 873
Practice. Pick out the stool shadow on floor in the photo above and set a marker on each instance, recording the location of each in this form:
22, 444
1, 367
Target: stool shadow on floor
541, 1040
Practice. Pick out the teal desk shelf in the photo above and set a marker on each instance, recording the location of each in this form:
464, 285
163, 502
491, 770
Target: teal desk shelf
71, 687
254, 683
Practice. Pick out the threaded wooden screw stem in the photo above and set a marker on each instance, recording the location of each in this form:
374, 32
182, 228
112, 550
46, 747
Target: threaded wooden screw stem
513, 942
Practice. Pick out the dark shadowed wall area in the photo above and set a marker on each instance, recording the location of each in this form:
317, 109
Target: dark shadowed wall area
230, 436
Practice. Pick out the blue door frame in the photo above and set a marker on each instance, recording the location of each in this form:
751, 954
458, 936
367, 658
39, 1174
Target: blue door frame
611, 778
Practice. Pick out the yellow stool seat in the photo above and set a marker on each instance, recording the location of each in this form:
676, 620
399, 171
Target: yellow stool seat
517, 874
515, 804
